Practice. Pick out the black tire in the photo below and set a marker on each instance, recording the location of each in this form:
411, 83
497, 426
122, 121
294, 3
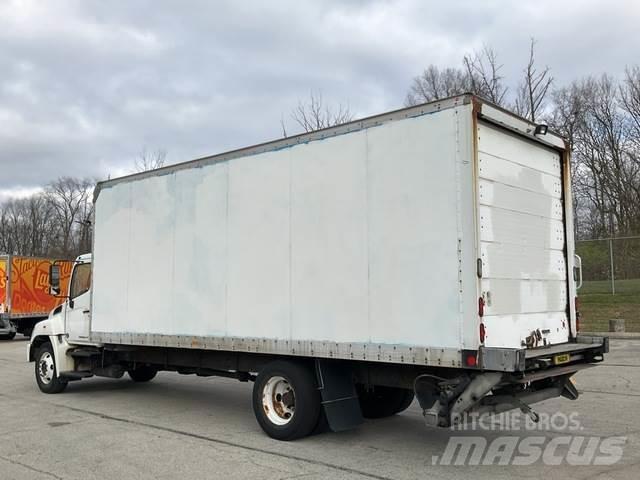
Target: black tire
406, 401
45, 371
142, 373
381, 402
300, 395
8, 336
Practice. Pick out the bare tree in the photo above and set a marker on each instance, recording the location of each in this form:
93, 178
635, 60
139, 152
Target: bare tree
600, 117
55, 222
630, 96
69, 199
434, 83
568, 110
16, 218
479, 74
283, 127
25, 225
592, 114
483, 71
40, 224
150, 160
315, 114
533, 88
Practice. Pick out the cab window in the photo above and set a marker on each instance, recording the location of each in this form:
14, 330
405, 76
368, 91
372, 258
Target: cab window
81, 281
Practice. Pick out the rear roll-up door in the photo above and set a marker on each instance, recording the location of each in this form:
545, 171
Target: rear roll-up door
522, 239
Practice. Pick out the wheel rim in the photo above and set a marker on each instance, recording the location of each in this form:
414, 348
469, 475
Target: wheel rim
46, 368
278, 400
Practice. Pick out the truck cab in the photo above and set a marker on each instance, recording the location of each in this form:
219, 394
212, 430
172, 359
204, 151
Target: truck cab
67, 325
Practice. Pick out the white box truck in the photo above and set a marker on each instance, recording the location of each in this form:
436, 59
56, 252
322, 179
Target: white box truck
427, 251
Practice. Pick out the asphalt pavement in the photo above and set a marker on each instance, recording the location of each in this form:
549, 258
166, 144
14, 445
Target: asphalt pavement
188, 427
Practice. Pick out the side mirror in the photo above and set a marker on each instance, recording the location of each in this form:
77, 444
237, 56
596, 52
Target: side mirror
54, 279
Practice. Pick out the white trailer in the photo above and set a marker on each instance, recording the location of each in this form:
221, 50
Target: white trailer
428, 249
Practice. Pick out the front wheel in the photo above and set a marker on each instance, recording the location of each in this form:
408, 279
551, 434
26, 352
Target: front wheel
45, 369
286, 400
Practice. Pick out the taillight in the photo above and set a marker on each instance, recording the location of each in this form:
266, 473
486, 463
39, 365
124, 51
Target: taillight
577, 305
481, 306
482, 333
471, 360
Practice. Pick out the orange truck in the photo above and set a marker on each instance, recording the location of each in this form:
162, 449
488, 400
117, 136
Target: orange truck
24, 293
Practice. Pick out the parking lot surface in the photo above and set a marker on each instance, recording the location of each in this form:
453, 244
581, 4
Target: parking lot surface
188, 427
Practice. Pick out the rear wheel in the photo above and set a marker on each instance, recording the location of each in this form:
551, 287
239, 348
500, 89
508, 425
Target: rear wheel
143, 373
8, 336
406, 401
45, 370
286, 400
380, 402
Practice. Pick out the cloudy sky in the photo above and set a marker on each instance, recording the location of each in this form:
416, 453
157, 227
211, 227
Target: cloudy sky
86, 85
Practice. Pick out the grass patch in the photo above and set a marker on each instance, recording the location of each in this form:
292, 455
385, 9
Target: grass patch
623, 287
598, 305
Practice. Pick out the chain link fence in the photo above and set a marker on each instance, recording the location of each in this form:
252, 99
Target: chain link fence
611, 282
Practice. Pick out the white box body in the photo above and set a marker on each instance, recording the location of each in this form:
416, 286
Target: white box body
358, 243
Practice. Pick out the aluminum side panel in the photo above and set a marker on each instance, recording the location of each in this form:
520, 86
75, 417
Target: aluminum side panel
413, 232
329, 240
110, 282
200, 252
258, 251
353, 239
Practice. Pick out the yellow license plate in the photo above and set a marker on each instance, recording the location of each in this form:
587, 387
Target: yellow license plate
564, 358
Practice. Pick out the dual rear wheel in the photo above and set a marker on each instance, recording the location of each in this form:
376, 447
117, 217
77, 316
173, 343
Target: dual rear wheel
142, 373
380, 402
287, 402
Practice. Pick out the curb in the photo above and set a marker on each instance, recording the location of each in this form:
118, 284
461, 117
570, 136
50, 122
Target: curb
614, 335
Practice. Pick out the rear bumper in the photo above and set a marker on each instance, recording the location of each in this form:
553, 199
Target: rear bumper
509, 378
583, 350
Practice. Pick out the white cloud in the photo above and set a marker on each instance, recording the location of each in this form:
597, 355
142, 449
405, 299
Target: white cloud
18, 192
87, 84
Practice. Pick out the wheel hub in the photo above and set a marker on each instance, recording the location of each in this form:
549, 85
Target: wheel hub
278, 400
46, 368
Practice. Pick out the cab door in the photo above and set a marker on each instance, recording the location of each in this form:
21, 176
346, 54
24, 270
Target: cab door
78, 305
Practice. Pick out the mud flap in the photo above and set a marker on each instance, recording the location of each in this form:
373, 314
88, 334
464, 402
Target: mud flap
339, 397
